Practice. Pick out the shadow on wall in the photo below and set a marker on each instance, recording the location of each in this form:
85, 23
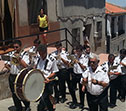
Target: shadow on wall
85, 3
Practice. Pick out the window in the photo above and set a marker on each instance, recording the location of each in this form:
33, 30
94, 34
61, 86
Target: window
76, 36
120, 25
99, 29
87, 31
34, 7
99, 36
113, 27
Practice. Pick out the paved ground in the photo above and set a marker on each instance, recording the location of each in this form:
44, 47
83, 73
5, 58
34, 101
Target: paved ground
7, 105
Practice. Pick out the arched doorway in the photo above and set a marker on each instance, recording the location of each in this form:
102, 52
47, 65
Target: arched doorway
6, 23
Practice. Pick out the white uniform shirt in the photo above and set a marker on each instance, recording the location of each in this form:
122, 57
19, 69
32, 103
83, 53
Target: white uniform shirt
48, 65
15, 69
99, 75
84, 61
9, 54
105, 66
60, 63
34, 58
89, 55
123, 67
117, 62
33, 49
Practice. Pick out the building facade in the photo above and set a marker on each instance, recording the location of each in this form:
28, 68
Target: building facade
116, 28
85, 19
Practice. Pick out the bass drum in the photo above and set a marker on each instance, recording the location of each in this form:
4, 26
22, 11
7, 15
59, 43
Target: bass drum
29, 84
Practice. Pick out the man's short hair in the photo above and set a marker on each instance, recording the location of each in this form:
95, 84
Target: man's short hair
111, 56
123, 51
18, 42
42, 48
80, 47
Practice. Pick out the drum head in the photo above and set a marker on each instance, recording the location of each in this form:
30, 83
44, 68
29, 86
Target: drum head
33, 85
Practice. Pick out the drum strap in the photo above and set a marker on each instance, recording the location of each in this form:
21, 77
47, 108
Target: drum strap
37, 62
46, 62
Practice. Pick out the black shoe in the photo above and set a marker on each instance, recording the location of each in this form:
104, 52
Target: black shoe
81, 106
111, 105
56, 101
63, 100
73, 106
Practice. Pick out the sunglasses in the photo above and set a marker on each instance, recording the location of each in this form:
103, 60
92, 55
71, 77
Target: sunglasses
93, 62
16, 47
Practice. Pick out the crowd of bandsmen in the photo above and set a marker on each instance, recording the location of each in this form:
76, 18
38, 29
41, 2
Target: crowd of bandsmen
80, 69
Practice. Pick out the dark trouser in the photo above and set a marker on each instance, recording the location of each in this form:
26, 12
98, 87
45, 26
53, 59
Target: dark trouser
64, 76
98, 101
114, 86
45, 100
17, 101
56, 89
76, 79
123, 86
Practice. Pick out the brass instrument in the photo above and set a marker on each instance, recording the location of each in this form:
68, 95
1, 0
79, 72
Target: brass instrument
15, 59
32, 55
113, 67
73, 60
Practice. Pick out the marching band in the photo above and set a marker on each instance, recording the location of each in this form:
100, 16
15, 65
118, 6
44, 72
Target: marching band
81, 67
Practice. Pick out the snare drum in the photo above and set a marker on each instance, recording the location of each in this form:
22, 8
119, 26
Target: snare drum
29, 84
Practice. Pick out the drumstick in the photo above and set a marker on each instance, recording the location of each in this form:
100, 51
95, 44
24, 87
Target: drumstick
56, 78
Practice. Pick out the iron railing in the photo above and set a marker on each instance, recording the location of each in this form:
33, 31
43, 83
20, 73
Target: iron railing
51, 31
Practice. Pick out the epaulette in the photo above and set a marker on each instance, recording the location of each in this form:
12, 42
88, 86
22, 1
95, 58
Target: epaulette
104, 69
103, 64
51, 57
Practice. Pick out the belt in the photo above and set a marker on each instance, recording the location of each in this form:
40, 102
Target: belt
13, 74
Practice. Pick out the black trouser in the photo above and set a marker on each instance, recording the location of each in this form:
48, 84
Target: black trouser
56, 89
114, 87
45, 99
98, 101
17, 101
64, 76
76, 79
123, 86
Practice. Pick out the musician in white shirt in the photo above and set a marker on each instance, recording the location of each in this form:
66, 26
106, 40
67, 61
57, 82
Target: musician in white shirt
80, 64
47, 64
122, 62
63, 74
113, 71
96, 81
15, 67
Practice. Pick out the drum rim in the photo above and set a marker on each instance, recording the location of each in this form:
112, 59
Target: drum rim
15, 82
24, 82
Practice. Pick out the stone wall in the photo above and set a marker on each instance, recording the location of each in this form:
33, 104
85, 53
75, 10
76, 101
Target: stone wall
4, 86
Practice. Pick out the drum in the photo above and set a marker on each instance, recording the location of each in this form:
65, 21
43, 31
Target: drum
29, 84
